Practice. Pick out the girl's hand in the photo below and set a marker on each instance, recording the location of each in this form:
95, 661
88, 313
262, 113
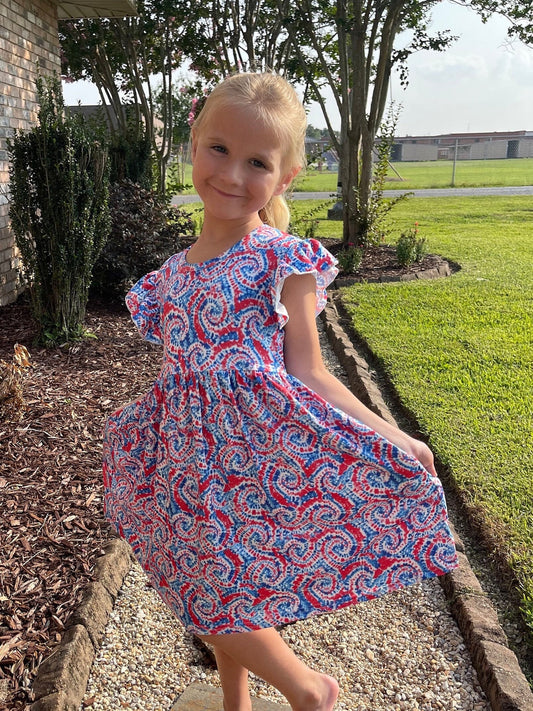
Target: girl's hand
423, 453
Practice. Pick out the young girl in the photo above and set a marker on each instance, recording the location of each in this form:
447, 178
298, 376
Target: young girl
253, 487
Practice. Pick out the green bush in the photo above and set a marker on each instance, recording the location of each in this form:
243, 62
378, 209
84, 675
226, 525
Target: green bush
144, 232
410, 248
175, 182
59, 213
350, 258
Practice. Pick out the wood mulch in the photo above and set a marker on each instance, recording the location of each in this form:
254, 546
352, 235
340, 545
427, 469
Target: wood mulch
51, 526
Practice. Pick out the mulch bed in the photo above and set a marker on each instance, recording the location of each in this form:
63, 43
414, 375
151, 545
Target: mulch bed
52, 527
380, 263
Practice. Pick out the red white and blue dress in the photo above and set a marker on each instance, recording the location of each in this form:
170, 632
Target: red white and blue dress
247, 498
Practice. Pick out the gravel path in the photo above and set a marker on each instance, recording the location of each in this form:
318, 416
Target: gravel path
402, 652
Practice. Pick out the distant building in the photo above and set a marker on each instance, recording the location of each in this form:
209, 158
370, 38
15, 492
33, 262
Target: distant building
321, 153
464, 146
106, 114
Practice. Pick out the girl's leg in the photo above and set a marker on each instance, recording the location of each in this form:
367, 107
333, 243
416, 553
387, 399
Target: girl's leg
234, 680
265, 654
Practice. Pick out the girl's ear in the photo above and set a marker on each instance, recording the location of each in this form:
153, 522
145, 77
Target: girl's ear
287, 180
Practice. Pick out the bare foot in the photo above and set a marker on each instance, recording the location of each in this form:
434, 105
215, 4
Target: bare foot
322, 697
332, 691
246, 707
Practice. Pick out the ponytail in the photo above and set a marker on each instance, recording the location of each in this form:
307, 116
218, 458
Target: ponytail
276, 213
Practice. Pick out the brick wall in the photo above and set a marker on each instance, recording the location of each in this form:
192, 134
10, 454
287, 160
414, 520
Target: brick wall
28, 44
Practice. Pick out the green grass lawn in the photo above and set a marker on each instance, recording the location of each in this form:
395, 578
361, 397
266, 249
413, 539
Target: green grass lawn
426, 174
459, 351
468, 173
436, 174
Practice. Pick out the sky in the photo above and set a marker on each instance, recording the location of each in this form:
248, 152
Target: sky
481, 83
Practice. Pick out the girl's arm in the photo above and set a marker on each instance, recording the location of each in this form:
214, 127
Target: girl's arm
303, 360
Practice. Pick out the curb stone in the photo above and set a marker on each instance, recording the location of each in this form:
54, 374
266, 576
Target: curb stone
497, 667
62, 677
442, 270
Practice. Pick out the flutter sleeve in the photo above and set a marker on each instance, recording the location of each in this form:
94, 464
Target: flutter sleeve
143, 301
300, 256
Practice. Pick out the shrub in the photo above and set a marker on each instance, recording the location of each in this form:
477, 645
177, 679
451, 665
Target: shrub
307, 223
175, 181
372, 217
59, 190
144, 232
350, 258
410, 248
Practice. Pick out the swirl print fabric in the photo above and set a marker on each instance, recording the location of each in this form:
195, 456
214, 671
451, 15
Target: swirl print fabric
247, 498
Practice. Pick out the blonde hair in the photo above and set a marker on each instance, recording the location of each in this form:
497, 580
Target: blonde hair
277, 105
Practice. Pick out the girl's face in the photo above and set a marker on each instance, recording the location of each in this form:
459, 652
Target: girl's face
237, 166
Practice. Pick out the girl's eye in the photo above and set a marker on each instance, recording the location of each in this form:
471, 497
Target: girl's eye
257, 163
219, 149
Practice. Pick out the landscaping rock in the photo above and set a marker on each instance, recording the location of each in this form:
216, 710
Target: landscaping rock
93, 612
66, 671
111, 568
506, 687
202, 697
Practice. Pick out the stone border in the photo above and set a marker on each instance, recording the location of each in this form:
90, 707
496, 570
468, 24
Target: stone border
442, 270
203, 697
442, 267
62, 677
497, 667
61, 680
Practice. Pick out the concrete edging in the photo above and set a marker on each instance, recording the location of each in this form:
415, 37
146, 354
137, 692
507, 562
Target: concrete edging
442, 270
62, 678
497, 667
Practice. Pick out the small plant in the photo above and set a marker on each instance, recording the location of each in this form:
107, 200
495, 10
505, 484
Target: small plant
197, 218
144, 232
308, 222
11, 375
350, 258
410, 248
310, 230
175, 180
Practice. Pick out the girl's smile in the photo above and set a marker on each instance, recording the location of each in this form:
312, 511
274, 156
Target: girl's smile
237, 167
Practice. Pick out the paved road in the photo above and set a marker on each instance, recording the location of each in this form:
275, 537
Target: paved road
427, 192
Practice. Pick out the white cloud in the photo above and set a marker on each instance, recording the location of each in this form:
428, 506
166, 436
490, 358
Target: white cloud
482, 83
449, 68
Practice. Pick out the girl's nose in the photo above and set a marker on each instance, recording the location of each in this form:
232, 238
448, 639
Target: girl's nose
232, 173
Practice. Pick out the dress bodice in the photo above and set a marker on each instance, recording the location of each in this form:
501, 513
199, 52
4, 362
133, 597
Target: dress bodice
226, 313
